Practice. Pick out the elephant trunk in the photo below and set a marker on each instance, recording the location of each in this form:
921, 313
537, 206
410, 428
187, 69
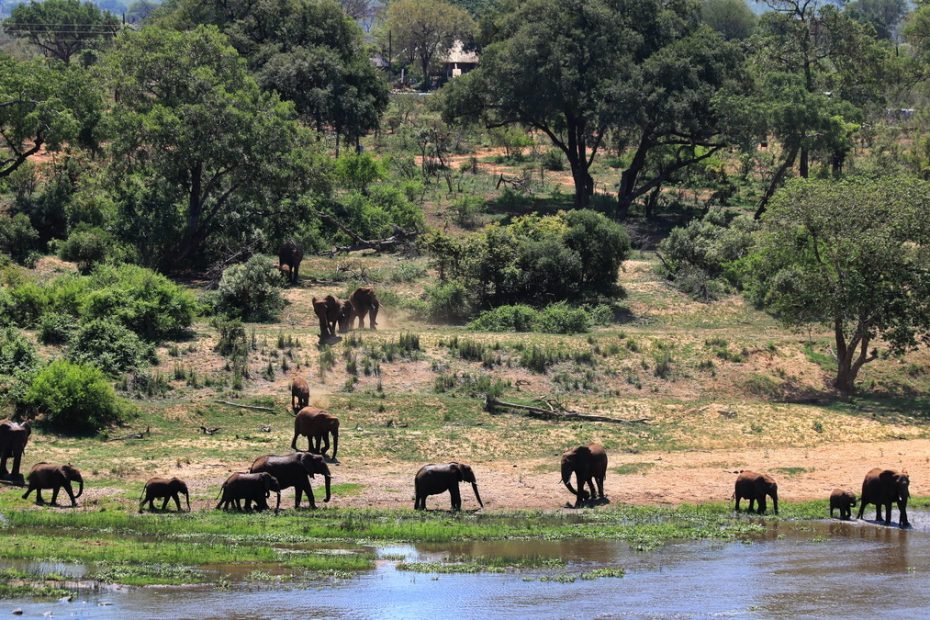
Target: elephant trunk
328, 480
80, 488
277, 506
775, 501
335, 442
568, 485
187, 496
474, 486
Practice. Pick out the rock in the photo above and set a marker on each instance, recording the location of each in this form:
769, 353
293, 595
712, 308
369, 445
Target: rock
17, 612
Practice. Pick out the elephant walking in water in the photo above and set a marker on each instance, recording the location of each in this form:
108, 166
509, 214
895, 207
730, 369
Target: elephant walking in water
589, 464
436, 479
883, 487
13, 440
55, 477
755, 487
165, 489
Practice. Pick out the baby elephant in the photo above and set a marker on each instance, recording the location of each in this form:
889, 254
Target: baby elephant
843, 501
253, 488
165, 489
48, 476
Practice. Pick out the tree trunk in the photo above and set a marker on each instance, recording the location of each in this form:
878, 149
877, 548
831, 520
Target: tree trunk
584, 183
626, 195
776, 181
850, 357
804, 165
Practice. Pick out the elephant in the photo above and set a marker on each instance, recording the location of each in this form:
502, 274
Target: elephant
755, 487
436, 479
589, 464
49, 476
252, 487
165, 489
843, 501
295, 470
361, 303
300, 393
290, 254
882, 487
316, 425
328, 312
13, 440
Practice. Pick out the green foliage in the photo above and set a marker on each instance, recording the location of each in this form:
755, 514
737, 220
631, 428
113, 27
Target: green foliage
252, 290
851, 255
17, 354
358, 171
55, 328
233, 345
110, 346
73, 398
62, 28
561, 318
24, 303
375, 216
17, 237
449, 302
697, 257
516, 318
87, 247
731, 18
146, 302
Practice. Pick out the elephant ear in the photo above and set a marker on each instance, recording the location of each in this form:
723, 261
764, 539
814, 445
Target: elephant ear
460, 474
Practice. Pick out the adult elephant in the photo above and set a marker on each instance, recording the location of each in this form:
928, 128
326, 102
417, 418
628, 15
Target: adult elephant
755, 487
250, 488
361, 303
55, 477
317, 426
436, 479
164, 489
882, 487
589, 464
295, 470
290, 254
300, 393
328, 311
13, 440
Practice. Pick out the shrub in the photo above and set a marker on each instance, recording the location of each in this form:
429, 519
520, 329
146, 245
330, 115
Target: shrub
601, 244
518, 318
73, 398
449, 303
358, 171
18, 361
87, 247
251, 291
110, 346
55, 328
17, 237
561, 318
234, 345
146, 302
465, 211
25, 303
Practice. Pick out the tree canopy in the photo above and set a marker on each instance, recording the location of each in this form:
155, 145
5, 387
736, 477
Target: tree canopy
853, 255
62, 28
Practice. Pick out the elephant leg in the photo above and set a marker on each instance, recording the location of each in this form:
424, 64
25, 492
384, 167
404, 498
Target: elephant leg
164, 503
70, 493
888, 513
29, 490
177, 502
600, 487
579, 486
309, 491
372, 314
736, 505
55, 493
591, 489
752, 503
39, 499
152, 503
325, 444
456, 497
17, 457
3, 471
878, 511
902, 516
861, 509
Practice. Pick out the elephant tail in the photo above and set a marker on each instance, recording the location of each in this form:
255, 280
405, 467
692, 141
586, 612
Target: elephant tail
144, 489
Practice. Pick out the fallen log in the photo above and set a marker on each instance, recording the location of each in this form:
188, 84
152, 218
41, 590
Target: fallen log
141, 435
256, 407
493, 406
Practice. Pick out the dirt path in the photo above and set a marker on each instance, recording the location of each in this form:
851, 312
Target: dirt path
663, 477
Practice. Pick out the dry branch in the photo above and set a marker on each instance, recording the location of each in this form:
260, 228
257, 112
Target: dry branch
494, 406
256, 407
141, 435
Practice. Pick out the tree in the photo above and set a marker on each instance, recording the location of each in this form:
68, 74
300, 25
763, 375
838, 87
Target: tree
810, 45
308, 51
853, 255
62, 28
576, 71
883, 15
424, 30
198, 150
358, 9
733, 19
43, 108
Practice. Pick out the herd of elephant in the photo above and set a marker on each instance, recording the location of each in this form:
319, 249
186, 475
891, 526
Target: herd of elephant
247, 491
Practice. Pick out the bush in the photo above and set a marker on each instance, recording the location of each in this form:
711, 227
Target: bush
147, 303
110, 346
449, 303
553, 160
465, 211
602, 246
518, 318
251, 291
357, 172
73, 398
17, 237
87, 247
24, 304
561, 318
55, 328
17, 354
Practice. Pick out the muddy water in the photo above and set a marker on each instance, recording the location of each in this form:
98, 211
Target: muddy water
801, 569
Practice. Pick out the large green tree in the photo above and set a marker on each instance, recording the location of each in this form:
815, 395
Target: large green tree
853, 255
308, 51
62, 28
198, 151
646, 70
